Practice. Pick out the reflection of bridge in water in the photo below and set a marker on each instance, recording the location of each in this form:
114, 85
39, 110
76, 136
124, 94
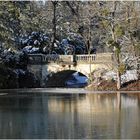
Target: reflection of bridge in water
33, 114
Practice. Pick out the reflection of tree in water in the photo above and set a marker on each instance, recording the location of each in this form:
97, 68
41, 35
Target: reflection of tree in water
74, 117
128, 117
138, 100
65, 116
95, 114
69, 116
11, 118
14, 102
22, 116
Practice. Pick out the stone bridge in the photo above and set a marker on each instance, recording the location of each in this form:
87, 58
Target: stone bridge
43, 65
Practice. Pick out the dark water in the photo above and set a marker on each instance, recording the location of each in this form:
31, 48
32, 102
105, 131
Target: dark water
50, 115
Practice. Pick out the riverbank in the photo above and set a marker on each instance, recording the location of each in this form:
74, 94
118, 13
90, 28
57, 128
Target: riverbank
58, 80
53, 91
111, 86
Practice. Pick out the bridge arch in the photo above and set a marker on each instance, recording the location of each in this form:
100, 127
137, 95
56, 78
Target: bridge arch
53, 67
59, 78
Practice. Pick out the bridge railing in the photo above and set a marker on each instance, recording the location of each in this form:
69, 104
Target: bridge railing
35, 59
85, 58
93, 58
57, 58
50, 57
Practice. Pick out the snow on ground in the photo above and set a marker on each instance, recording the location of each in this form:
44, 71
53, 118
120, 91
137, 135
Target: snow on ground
109, 75
128, 76
80, 79
76, 80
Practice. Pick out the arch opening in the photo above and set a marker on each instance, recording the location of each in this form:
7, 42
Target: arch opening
67, 78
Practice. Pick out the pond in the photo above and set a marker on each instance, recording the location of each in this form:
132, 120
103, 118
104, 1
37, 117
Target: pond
67, 114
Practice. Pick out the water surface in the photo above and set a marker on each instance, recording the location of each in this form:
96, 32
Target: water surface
69, 115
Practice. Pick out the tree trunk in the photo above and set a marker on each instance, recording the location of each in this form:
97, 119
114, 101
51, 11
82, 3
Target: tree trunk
118, 80
138, 68
117, 54
89, 38
54, 25
118, 71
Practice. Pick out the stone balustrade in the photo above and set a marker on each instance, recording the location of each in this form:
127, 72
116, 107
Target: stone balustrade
92, 58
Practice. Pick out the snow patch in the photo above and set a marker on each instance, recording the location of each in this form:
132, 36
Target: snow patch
77, 80
128, 76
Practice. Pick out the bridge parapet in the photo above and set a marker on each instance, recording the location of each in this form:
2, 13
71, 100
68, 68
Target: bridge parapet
50, 58
35, 59
93, 58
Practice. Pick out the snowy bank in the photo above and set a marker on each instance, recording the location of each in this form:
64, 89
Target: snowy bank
130, 75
